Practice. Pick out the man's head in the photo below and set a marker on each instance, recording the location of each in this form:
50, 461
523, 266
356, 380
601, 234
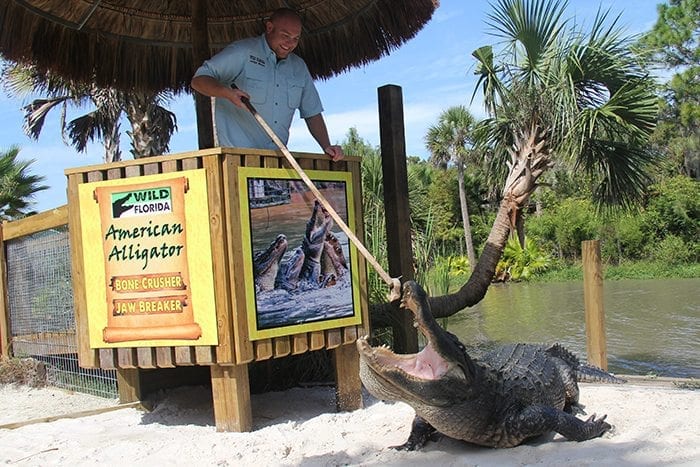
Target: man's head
283, 31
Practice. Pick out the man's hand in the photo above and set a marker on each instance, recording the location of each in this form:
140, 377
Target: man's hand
237, 96
335, 152
210, 87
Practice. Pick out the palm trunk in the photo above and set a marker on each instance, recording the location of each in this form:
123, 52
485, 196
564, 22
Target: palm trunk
466, 224
529, 159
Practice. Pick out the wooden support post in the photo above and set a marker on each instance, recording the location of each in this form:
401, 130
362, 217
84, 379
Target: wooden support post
398, 219
348, 393
128, 385
231, 392
200, 52
5, 334
593, 301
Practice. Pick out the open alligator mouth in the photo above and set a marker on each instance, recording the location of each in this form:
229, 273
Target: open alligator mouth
428, 364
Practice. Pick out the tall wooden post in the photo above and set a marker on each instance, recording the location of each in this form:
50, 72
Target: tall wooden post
593, 301
4, 314
398, 219
200, 52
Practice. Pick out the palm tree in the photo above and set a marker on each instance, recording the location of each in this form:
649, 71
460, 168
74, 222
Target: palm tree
17, 186
557, 95
450, 141
151, 124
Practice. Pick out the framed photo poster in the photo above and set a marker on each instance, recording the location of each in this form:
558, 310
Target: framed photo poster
300, 270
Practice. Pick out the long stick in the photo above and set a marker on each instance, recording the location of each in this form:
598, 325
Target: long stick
393, 283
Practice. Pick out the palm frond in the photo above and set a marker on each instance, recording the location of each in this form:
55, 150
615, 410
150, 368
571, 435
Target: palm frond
36, 112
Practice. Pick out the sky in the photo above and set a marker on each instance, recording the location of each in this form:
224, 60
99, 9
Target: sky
434, 69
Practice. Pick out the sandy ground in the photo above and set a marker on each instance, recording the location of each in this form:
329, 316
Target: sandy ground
653, 426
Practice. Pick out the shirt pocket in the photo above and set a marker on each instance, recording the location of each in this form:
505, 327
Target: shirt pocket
256, 88
294, 91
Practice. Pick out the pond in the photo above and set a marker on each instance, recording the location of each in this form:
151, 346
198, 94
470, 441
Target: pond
652, 326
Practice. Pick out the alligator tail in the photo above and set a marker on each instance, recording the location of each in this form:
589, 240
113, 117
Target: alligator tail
592, 374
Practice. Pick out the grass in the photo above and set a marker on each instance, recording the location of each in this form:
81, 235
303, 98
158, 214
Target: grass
638, 270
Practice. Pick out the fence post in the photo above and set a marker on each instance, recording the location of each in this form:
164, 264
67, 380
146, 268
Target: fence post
593, 302
398, 216
4, 315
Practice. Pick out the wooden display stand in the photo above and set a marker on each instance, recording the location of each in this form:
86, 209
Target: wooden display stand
235, 350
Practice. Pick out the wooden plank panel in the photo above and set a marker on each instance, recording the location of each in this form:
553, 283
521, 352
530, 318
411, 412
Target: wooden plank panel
165, 357
133, 171
115, 173
126, 358
333, 338
170, 165
300, 343
184, 355
263, 349
45, 220
204, 354
317, 340
356, 170
349, 335
146, 357
108, 359
87, 357
282, 346
225, 351
151, 168
243, 347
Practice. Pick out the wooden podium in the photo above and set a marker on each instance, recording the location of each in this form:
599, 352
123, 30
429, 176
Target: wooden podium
228, 359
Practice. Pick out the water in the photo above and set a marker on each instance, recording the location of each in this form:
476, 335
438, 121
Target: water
652, 326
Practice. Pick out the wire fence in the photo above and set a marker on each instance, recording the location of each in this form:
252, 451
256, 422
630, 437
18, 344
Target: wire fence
40, 309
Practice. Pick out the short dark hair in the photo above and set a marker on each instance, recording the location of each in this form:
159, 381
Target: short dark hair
284, 13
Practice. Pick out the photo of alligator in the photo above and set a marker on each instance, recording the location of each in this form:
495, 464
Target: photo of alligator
301, 264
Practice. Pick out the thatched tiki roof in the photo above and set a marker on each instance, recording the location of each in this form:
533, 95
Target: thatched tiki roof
148, 44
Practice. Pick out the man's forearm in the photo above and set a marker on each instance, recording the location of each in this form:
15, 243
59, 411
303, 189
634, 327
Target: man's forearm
317, 128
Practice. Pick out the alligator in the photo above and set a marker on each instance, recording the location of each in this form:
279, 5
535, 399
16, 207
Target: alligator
266, 264
288, 274
318, 225
507, 396
333, 260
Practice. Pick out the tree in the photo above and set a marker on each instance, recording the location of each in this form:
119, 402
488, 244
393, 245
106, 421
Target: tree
17, 185
450, 141
557, 94
151, 124
673, 44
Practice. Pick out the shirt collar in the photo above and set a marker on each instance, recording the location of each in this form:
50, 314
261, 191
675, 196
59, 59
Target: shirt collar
267, 51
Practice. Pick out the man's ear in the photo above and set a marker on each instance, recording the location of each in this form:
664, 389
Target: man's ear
269, 26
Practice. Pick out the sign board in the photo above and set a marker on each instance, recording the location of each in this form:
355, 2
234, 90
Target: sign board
147, 261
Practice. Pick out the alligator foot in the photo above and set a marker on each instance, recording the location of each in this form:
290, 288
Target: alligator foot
421, 433
537, 420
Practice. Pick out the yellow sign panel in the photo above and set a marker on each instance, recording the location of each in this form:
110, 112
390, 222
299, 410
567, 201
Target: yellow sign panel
147, 260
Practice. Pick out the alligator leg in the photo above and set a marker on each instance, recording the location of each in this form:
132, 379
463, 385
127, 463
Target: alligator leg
537, 420
421, 433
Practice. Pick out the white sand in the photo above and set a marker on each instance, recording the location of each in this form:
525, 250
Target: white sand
653, 426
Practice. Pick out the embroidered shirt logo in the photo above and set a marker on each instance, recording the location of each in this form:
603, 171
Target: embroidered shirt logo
256, 60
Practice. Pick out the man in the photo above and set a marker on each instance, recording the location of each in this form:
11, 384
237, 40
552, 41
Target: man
265, 70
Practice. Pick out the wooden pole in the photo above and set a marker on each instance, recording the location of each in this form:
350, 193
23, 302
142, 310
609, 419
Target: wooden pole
398, 216
593, 301
200, 52
4, 309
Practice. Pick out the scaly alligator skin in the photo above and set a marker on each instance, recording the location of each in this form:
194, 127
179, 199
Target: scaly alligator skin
509, 395
266, 264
